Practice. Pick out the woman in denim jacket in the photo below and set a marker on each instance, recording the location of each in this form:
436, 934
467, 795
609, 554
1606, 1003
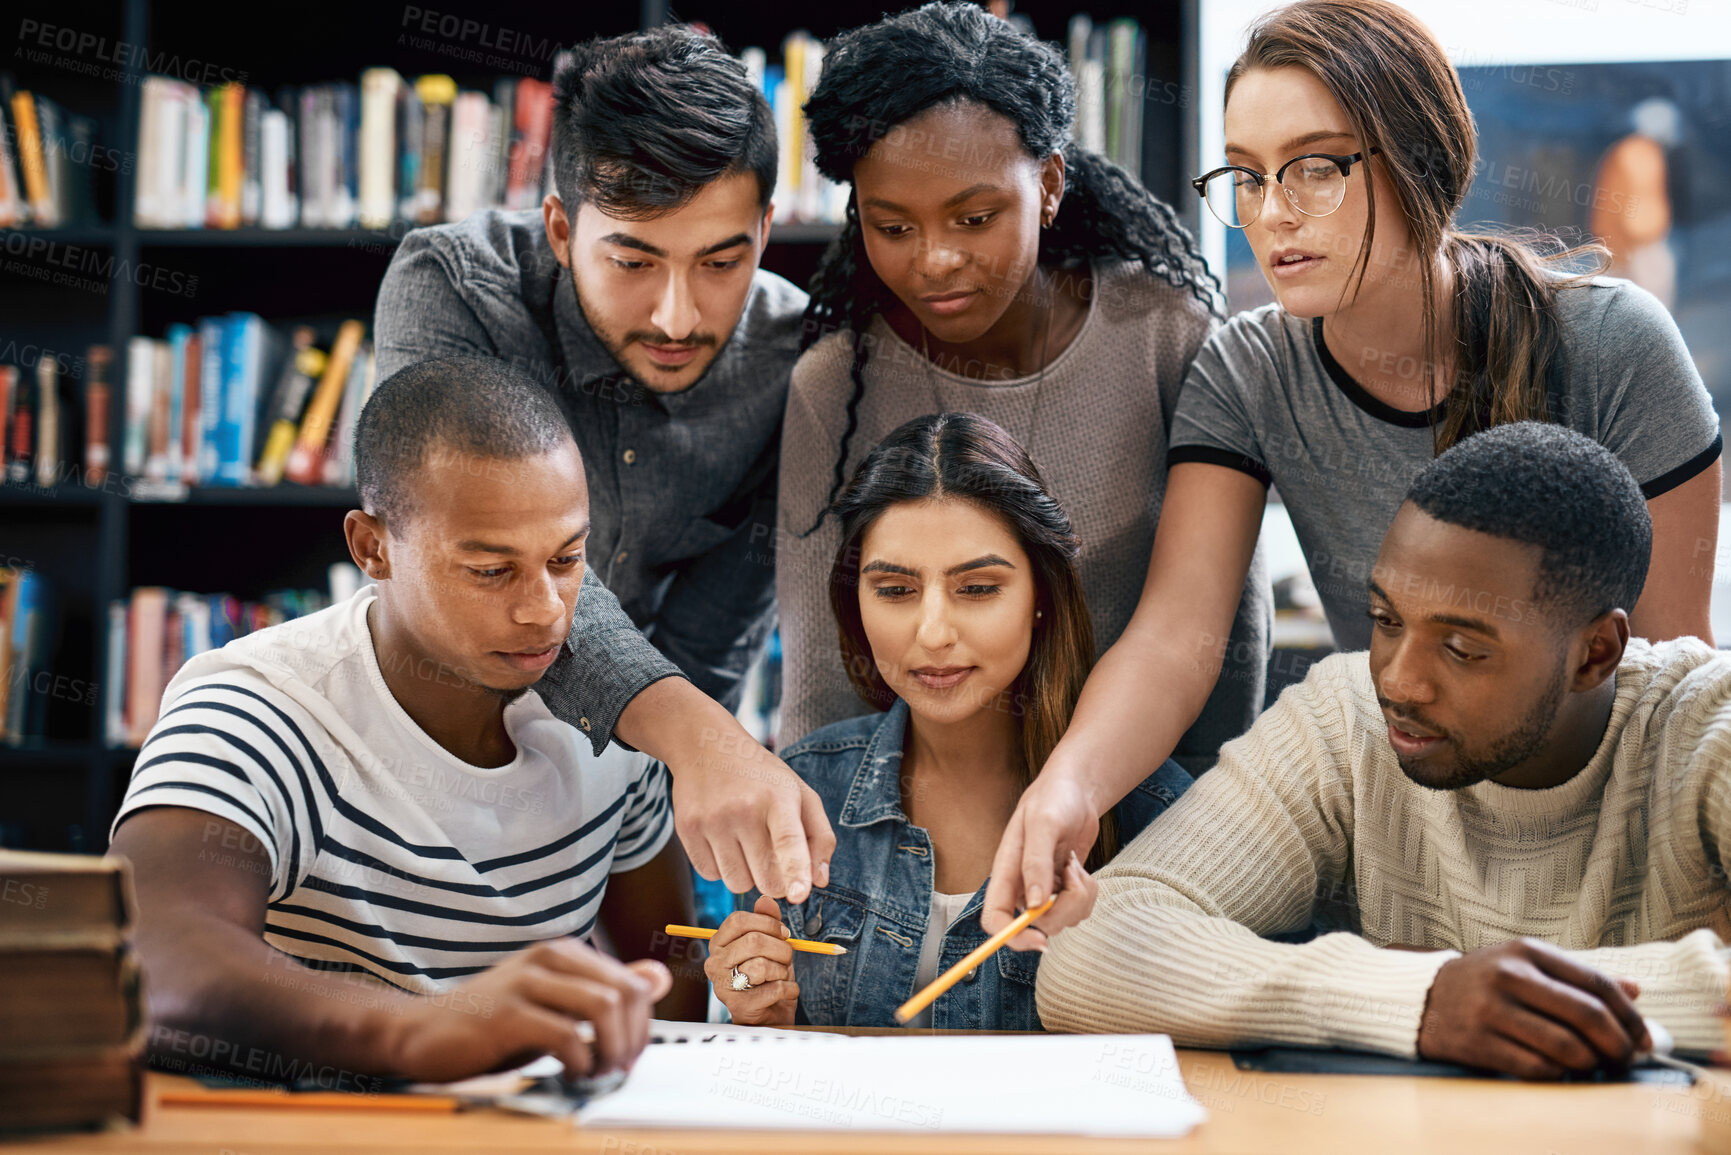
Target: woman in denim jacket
962, 618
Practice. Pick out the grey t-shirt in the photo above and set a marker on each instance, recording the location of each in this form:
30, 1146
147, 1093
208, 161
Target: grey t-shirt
1095, 423
1264, 396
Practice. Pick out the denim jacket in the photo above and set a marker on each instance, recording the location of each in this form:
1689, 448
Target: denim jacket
880, 892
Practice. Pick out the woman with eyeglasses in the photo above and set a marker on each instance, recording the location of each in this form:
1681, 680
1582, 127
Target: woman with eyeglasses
1349, 151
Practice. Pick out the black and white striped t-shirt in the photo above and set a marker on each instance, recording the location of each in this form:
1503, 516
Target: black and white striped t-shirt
388, 854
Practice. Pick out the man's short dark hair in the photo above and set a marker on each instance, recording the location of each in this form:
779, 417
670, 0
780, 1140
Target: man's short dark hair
464, 409
1549, 486
642, 122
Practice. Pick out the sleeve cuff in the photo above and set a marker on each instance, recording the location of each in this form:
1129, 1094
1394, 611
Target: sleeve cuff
1212, 455
1691, 468
593, 700
1382, 1006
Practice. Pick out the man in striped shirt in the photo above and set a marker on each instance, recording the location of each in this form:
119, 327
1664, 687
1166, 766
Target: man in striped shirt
361, 841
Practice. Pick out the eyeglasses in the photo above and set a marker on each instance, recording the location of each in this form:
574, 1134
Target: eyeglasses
1234, 194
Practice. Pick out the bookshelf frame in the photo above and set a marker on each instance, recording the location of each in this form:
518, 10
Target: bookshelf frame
61, 792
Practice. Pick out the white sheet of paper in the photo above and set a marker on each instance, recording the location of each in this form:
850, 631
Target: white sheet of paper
674, 1031
1119, 1085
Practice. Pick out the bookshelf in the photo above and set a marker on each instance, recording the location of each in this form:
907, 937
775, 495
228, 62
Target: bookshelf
59, 792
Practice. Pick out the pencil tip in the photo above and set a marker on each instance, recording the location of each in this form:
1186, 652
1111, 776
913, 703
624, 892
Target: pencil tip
841, 950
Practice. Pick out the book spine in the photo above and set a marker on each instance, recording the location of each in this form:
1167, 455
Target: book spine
8, 377
31, 159
338, 453
191, 423
216, 110
378, 192
20, 629
148, 621
13, 208
140, 384
230, 167
50, 124
114, 689
195, 175
504, 128
436, 93
178, 338
212, 336
346, 105
233, 439
21, 429
48, 420
99, 361
306, 153
411, 121
306, 459
161, 403
304, 363
252, 173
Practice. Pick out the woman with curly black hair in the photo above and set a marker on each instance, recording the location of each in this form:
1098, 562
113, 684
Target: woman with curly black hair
990, 265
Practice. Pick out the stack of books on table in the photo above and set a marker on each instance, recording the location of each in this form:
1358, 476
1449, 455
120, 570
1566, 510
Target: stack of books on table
71, 1009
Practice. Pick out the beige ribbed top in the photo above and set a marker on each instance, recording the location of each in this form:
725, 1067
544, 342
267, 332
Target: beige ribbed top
1096, 426
1309, 815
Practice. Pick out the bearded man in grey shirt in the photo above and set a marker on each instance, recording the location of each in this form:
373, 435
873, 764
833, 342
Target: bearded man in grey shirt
635, 296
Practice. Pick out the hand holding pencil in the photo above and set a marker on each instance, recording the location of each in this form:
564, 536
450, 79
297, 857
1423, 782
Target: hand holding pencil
757, 945
1078, 894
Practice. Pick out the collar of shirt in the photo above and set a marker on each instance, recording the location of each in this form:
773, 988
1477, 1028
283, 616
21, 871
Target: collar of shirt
876, 793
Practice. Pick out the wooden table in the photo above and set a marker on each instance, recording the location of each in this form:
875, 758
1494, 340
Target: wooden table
1248, 1113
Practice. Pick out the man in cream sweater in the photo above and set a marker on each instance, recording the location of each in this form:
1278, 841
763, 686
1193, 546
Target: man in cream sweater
1503, 821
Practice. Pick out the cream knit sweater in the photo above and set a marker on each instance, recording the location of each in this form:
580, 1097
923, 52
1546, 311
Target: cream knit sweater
1309, 816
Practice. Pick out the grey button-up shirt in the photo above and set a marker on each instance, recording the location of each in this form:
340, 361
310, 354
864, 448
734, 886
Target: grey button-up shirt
681, 485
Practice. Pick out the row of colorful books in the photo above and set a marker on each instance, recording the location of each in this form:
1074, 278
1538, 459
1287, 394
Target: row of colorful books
226, 401
54, 418
27, 636
802, 194
392, 150
153, 633
1110, 66
48, 161
235, 401
337, 155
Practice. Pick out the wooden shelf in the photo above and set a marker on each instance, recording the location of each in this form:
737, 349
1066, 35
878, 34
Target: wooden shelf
16, 494
268, 496
796, 234
89, 236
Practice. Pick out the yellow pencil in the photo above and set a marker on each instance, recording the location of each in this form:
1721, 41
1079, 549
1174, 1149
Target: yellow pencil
974, 958
804, 944
284, 1099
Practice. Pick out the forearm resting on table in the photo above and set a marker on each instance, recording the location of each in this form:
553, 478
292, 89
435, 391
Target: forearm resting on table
259, 1012
1141, 966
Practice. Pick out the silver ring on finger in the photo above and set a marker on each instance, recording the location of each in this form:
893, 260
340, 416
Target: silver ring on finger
740, 982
